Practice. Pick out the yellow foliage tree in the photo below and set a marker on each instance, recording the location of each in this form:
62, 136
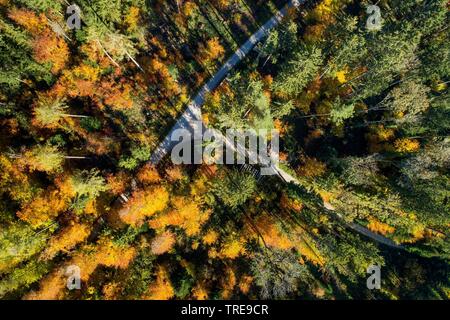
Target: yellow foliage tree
43, 208
14, 181
106, 253
67, 239
406, 145
379, 227
185, 214
212, 51
148, 175
111, 290
51, 287
210, 237
132, 19
232, 248
161, 288
143, 204
272, 234
199, 292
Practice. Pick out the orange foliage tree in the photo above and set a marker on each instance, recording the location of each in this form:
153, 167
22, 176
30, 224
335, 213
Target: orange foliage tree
104, 253
148, 175
212, 51
143, 204
13, 181
163, 243
51, 287
272, 234
185, 214
200, 292
380, 227
228, 282
67, 239
47, 46
43, 208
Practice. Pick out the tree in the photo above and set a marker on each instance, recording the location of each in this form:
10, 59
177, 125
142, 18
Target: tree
351, 257
42, 5
44, 207
163, 243
272, 233
407, 101
49, 48
18, 243
277, 43
212, 51
66, 239
17, 62
161, 288
298, 71
18, 185
391, 54
361, 172
347, 46
341, 112
85, 186
88, 183
185, 214
148, 175
46, 45
277, 273
45, 158
48, 112
232, 247
51, 287
234, 188
406, 145
23, 277
247, 107
143, 204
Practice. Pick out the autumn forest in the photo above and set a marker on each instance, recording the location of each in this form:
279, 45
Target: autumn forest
361, 104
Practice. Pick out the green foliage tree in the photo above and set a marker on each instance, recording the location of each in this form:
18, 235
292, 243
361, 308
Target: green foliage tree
350, 257
341, 111
278, 273
87, 185
234, 188
18, 243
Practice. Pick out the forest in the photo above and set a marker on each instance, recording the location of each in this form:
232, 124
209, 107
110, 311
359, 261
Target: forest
363, 116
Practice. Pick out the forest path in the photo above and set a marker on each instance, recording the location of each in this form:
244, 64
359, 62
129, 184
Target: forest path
193, 112
193, 115
356, 227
